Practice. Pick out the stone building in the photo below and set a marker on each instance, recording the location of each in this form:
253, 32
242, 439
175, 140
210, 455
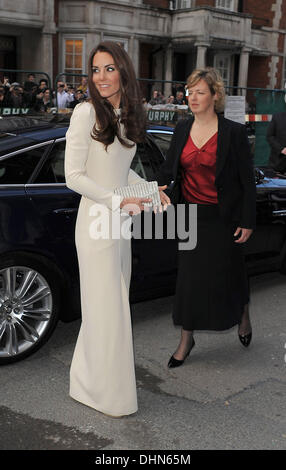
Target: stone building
27, 31
244, 39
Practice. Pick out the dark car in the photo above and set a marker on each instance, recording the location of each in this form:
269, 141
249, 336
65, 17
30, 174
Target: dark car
39, 281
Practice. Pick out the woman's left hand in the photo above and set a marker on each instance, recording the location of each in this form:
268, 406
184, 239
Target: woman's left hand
165, 200
244, 234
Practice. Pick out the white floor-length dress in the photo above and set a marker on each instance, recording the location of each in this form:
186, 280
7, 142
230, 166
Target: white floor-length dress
102, 372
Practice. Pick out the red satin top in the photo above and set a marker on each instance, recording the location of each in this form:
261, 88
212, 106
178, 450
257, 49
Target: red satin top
198, 171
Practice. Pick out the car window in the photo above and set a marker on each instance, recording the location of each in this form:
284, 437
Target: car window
146, 163
147, 160
162, 140
53, 170
17, 169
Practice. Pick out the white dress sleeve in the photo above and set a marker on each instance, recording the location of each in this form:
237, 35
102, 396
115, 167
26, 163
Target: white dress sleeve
133, 178
78, 140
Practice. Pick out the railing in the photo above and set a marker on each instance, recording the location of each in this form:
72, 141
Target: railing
261, 103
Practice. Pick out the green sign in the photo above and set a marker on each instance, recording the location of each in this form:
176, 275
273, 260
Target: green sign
13, 111
160, 115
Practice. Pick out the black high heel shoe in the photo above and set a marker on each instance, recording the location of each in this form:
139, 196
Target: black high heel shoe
245, 339
176, 362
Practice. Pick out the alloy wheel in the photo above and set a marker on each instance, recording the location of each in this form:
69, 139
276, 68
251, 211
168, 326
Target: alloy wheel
25, 309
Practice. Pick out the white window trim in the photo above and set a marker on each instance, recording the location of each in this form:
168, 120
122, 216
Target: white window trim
216, 59
73, 36
230, 8
182, 4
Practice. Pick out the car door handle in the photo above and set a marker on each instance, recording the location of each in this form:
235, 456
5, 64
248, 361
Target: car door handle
66, 211
281, 213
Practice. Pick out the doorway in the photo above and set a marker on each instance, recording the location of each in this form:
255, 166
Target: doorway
8, 55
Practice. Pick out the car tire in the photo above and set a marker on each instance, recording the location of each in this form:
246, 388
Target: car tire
29, 305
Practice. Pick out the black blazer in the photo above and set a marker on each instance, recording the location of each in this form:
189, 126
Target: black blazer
234, 180
276, 136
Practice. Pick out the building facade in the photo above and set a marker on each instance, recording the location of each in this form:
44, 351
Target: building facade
244, 39
27, 31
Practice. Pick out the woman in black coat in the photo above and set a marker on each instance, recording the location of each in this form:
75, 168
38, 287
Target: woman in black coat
276, 136
210, 163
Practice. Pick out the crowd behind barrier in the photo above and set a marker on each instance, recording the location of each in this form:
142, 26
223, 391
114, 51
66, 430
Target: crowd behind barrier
33, 96
37, 97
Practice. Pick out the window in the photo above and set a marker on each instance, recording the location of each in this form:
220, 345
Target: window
53, 170
18, 168
147, 160
74, 59
222, 64
225, 4
180, 4
162, 140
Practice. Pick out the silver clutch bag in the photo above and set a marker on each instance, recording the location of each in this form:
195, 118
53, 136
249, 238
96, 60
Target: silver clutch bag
146, 189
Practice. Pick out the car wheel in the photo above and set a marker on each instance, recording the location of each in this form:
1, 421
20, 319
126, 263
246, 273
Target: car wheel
29, 306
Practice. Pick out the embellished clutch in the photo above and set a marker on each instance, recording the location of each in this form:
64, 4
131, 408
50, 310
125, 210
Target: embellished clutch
147, 189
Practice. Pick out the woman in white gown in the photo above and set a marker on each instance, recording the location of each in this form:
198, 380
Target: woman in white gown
101, 143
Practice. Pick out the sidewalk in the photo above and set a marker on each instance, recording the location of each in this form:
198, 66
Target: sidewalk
223, 397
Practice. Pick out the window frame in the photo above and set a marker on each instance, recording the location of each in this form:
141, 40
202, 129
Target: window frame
178, 4
46, 156
229, 8
24, 150
224, 56
65, 37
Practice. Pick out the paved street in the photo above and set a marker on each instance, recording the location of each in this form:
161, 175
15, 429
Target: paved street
224, 397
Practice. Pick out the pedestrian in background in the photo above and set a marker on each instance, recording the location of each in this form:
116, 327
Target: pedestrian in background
44, 101
210, 162
2, 98
64, 97
84, 85
157, 98
30, 83
276, 137
16, 97
78, 98
179, 100
170, 99
6, 82
43, 84
145, 104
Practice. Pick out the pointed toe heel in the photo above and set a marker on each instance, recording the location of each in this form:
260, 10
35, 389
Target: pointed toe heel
245, 339
173, 362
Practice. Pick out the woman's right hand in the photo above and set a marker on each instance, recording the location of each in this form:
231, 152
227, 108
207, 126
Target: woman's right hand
134, 205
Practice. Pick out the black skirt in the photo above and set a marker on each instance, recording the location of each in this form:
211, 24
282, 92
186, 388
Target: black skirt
212, 284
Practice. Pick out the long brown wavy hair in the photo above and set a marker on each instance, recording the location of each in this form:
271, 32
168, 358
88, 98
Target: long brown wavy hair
133, 115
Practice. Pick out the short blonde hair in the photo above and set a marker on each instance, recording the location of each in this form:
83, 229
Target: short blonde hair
214, 81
